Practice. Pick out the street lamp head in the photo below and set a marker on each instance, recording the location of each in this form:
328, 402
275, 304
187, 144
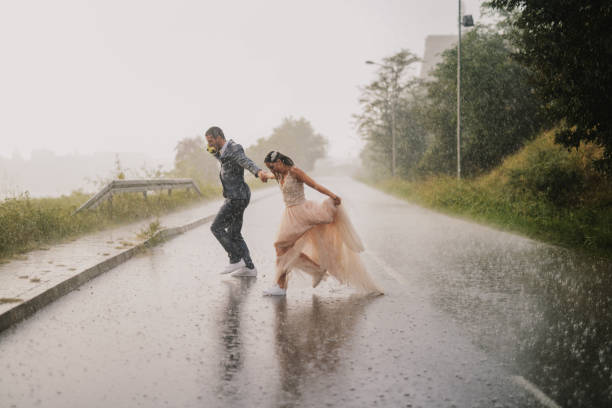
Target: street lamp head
370, 62
468, 21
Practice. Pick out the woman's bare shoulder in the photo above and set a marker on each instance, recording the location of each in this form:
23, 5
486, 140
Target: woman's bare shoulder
302, 176
296, 171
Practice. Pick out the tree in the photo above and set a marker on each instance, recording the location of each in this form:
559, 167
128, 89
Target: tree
193, 161
392, 93
499, 110
295, 138
566, 45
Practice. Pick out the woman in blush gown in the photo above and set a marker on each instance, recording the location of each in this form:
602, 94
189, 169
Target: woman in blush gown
316, 238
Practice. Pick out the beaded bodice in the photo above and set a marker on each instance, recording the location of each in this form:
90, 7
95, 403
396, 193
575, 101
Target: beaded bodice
293, 191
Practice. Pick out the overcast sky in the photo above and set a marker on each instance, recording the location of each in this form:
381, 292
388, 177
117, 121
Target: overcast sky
106, 75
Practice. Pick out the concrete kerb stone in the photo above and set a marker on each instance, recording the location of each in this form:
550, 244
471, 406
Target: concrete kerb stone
31, 306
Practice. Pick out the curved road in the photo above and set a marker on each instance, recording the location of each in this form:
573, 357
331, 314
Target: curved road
465, 322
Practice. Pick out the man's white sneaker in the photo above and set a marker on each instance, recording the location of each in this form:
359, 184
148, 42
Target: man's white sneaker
245, 272
275, 291
233, 267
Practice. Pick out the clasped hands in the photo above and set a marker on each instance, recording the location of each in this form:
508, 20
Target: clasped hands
265, 176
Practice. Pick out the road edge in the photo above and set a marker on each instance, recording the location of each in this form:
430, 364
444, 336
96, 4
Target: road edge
30, 306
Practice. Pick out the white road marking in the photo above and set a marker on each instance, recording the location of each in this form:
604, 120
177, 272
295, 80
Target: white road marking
540, 396
387, 268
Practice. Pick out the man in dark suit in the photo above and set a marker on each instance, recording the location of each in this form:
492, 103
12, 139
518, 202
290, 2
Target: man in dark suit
228, 222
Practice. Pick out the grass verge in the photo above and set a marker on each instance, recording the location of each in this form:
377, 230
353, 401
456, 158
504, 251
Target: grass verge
30, 223
543, 192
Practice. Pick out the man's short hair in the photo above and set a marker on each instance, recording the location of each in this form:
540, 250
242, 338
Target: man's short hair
215, 132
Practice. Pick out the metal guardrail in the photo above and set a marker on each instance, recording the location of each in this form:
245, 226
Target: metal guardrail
136, 186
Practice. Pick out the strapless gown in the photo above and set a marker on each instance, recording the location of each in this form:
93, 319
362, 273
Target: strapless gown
318, 238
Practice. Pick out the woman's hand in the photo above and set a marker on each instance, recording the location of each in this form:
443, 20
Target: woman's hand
337, 200
262, 176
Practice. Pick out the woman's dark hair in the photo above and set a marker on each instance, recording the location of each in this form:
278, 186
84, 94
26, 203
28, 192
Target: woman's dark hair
273, 157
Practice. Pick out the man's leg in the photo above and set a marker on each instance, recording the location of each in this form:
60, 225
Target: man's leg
224, 219
234, 232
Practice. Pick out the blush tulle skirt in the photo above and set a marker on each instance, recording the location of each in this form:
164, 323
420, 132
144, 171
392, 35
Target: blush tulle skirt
318, 238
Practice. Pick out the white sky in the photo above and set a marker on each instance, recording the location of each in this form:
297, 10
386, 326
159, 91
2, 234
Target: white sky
139, 75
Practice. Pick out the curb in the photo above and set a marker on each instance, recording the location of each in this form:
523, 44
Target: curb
31, 306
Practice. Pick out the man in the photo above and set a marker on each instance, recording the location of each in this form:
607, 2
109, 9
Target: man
228, 222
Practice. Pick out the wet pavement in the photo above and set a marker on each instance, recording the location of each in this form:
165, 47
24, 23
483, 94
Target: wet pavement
471, 317
38, 271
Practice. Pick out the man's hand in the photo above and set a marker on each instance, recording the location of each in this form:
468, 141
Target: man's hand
262, 176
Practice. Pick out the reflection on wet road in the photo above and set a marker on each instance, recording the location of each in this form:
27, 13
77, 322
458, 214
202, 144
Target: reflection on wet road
231, 360
309, 340
466, 310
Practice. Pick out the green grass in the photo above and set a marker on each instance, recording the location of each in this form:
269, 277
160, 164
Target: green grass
517, 197
10, 300
29, 223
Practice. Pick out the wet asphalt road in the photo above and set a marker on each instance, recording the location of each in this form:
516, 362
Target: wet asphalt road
468, 312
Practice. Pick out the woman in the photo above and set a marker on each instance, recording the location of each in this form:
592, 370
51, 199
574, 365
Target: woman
316, 238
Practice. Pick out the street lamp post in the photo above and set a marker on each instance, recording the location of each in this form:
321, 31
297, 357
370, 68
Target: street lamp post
467, 22
393, 107
393, 131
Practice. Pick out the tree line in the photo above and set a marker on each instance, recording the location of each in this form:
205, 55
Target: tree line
544, 65
294, 137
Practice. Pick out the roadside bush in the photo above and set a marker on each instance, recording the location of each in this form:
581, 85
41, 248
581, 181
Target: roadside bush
550, 173
553, 172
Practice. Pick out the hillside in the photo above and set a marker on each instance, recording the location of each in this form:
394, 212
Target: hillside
543, 191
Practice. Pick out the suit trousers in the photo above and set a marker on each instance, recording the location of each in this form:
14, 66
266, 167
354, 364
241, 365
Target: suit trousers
226, 228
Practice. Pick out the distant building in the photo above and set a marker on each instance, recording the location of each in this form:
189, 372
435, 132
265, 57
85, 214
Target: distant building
434, 46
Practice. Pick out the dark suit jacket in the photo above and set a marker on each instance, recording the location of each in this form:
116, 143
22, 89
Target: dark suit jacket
233, 162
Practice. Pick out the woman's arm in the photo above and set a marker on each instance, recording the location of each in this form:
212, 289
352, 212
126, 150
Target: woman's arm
306, 179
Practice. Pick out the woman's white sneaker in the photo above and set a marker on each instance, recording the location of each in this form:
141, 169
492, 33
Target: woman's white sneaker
275, 291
